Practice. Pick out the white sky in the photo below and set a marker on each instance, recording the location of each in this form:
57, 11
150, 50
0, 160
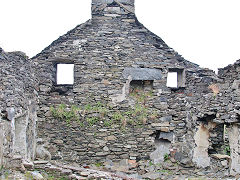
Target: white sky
206, 32
65, 73
172, 79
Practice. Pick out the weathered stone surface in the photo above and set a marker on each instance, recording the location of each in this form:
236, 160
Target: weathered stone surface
166, 118
10, 113
163, 124
236, 84
166, 136
164, 129
85, 173
224, 163
18, 109
66, 171
116, 120
162, 148
200, 156
58, 141
40, 162
142, 74
220, 156
28, 165
110, 138
1, 143
234, 145
152, 175
36, 175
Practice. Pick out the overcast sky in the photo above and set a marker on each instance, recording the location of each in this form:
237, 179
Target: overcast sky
206, 32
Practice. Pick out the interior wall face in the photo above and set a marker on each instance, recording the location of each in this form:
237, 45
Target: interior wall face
1, 143
18, 90
234, 149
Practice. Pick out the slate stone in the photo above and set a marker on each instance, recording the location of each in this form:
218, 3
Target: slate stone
179, 156
1, 57
166, 136
166, 118
142, 74
10, 113
106, 52
163, 99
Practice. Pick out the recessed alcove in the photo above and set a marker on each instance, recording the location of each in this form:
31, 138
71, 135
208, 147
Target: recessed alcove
139, 85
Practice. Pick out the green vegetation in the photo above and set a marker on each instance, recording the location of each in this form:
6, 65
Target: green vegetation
151, 163
64, 113
140, 95
99, 113
46, 175
227, 150
28, 175
99, 164
166, 157
92, 120
4, 172
165, 171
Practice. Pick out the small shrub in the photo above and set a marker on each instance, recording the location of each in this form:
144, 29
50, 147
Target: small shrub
108, 123
166, 157
99, 164
63, 113
88, 107
117, 116
151, 163
28, 175
92, 120
137, 115
227, 150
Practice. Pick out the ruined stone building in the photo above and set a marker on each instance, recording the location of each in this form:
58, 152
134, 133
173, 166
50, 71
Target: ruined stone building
18, 108
120, 104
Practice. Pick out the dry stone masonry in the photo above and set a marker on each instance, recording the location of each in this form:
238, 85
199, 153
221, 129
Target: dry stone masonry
119, 106
18, 107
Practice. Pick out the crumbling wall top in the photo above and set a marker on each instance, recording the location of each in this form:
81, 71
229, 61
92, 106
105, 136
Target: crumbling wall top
112, 8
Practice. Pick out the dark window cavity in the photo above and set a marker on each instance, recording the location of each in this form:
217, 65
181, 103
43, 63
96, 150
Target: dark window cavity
139, 85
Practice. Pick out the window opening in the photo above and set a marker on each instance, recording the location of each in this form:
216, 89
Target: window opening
172, 80
65, 74
176, 78
140, 85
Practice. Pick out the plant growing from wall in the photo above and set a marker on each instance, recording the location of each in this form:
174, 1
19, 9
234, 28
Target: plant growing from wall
227, 150
92, 120
140, 110
140, 95
117, 116
99, 113
68, 114
166, 157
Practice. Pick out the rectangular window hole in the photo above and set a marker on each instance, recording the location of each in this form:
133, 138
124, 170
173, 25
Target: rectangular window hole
65, 74
172, 80
176, 78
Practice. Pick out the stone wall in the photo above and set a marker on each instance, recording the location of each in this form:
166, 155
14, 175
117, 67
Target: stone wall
18, 107
119, 106
111, 8
103, 50
104, 116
